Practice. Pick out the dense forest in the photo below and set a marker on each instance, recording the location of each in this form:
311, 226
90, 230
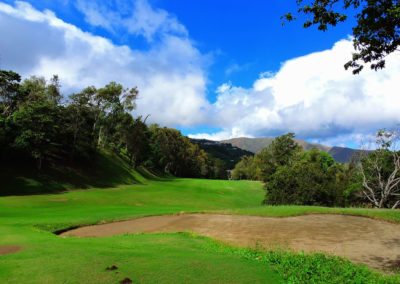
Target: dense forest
294, 176
41, 128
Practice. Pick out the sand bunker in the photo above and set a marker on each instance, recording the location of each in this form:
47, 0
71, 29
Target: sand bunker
363, 240
9, 249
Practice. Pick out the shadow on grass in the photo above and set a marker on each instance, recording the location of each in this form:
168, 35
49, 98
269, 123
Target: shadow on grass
154, 175
107, 170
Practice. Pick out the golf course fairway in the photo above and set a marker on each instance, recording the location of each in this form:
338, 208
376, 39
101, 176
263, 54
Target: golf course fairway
31, 252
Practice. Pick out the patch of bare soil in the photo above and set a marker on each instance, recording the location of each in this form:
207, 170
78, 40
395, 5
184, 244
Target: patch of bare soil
9, 249
362, 240
59, 200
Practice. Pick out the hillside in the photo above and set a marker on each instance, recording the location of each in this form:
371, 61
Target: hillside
105, 170
226, 152
255, 145
342, 154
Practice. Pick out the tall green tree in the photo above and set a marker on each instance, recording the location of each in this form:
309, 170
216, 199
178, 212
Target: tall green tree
80, 117
245, 169
135, 137
282, 151
9, 99
39, 124
53, 90
9, 91
109, 103
34, 122
174, 154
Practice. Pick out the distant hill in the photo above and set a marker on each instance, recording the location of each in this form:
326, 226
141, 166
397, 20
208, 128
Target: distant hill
226, 152
255, 145
342, 154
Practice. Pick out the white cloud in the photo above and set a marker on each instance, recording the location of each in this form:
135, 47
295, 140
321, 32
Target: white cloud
222, 135
169, 75
311, 95
236, 68
97, 15
314, 97
134, 16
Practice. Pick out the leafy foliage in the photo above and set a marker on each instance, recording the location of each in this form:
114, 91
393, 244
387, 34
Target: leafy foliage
376, 34
309, 180
294, 176
38, 127
244, 169
175, 154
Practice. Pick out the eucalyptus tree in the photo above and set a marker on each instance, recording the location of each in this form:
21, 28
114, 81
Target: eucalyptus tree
380, 171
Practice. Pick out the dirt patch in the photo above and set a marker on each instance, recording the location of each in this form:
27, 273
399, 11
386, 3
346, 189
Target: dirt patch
359, 239
126, 281
59, 200
9, 249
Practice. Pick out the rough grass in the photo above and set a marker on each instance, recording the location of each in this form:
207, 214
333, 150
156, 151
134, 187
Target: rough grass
29, 221
309, 268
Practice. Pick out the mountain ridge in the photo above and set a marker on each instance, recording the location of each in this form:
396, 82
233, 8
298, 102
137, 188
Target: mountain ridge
255, 145
226, 152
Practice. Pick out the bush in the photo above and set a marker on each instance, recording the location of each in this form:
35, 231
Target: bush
309, 180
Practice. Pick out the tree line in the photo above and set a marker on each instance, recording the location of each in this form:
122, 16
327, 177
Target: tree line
39, 125
294, 176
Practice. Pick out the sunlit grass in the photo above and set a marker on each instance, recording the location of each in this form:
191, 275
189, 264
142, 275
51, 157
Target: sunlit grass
29, 221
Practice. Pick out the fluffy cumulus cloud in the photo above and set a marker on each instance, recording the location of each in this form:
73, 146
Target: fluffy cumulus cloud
314, 97
170, 74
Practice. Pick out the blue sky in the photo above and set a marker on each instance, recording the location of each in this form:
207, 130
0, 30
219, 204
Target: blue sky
243, 39
214, 69
248, 39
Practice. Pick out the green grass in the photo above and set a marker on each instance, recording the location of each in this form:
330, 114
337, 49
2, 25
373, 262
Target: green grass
173, 258
106, 170
309, 268
287, 211
77, 207
29, 221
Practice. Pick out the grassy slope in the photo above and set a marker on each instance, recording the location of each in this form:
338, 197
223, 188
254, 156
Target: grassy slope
106, 170
46, 258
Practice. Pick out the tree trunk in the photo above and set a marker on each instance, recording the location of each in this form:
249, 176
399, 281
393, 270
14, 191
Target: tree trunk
99, 138
39, 163
396, 204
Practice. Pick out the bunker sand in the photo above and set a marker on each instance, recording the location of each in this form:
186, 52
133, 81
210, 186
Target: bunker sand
362, 240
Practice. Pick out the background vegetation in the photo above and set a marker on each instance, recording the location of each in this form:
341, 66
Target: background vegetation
56, 137
294, 176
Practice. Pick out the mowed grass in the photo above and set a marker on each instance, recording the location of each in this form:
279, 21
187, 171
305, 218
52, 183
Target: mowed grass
28, 221
79, 207
288, 211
